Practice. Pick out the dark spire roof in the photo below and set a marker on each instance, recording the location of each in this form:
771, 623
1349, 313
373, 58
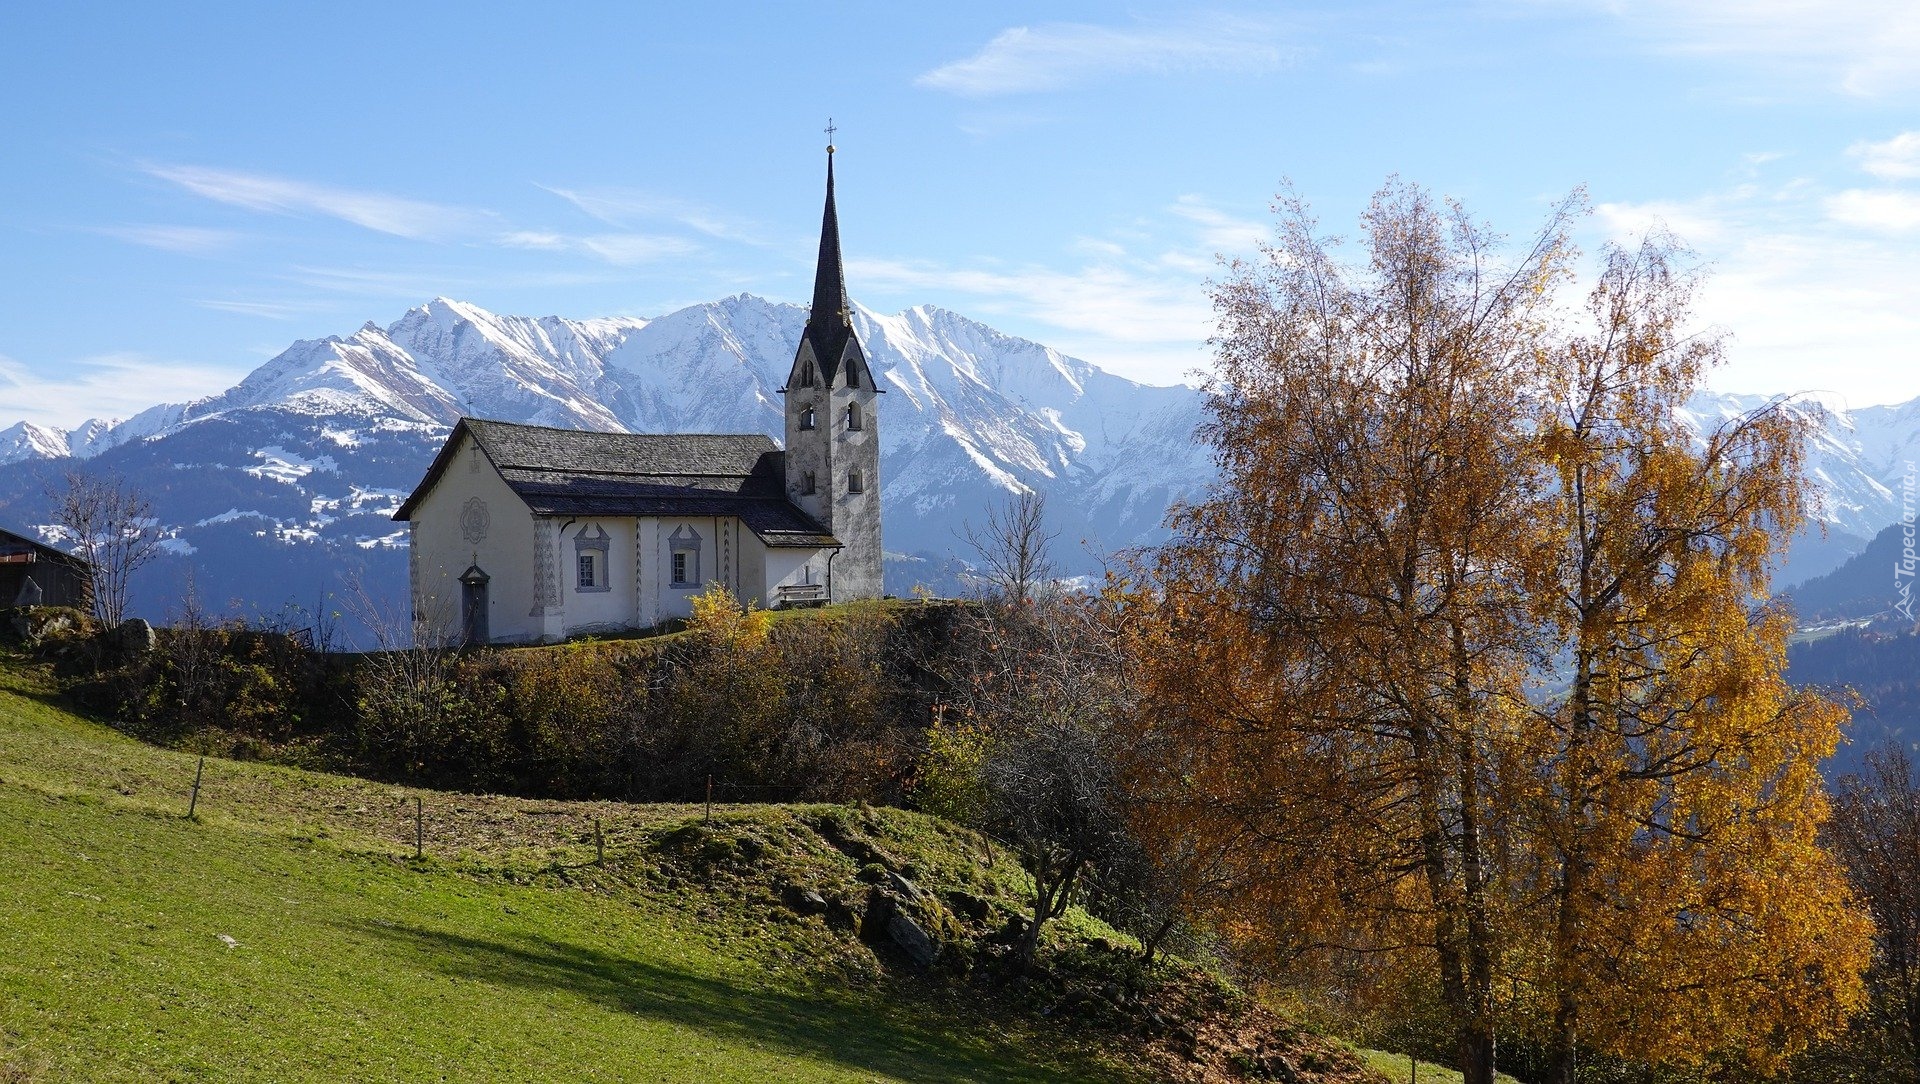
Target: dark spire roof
829, 321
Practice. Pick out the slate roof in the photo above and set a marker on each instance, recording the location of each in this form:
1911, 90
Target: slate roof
573, 472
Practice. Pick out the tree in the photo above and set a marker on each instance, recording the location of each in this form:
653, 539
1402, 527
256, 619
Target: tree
1015, 549
1024, 741
1677, 769
1876, 833
113, 530
1362, 674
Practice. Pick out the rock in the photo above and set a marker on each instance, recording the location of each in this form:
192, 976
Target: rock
887, 922
802, 900
873, 917
134, 637
969, 906
921, 950
905, 888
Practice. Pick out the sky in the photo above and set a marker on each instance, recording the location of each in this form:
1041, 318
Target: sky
187, 189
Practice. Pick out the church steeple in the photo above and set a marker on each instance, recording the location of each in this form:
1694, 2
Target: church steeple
829, 322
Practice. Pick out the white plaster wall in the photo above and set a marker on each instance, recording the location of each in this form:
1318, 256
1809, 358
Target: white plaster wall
677, 601
443, 553
592, 611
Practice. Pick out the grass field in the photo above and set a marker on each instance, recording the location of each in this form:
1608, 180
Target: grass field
286, 934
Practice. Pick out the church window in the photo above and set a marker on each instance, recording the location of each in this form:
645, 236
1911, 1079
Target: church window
855, 483
806, 374
590, 549
853, 416
806, 417
806, 484
683, 566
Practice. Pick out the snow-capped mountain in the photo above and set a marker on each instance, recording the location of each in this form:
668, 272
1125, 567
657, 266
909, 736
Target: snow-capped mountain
270, 489
276, 488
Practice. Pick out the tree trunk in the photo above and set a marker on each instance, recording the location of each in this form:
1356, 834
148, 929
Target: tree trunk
1476, 1055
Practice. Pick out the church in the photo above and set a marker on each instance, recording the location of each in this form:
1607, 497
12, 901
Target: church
526, 534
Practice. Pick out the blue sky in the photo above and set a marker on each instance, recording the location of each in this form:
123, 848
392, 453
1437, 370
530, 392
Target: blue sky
186, 189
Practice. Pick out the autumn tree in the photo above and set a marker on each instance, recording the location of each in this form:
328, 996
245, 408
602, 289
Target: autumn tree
1364, 666
1671, 792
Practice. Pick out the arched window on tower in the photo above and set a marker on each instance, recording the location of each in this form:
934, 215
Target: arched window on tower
806, 417
806, 373
853, 416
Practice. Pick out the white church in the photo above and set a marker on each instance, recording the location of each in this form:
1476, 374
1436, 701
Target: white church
525, 534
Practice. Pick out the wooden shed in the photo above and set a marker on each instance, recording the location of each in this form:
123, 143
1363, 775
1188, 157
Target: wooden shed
33, 574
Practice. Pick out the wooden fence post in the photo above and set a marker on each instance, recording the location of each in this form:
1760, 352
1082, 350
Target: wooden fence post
193, 803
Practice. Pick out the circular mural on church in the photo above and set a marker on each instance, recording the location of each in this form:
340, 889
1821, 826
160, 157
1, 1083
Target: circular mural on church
474, 520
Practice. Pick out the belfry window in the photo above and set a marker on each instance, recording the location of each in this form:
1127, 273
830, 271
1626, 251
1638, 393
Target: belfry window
853, 416
806, 374
855, 483
806, 417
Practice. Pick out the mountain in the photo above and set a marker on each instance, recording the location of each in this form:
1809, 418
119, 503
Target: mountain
1858, 461
277, 491
1869, 585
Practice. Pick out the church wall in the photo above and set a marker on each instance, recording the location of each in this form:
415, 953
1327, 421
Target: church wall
794, 568
498, 536
610, 607
676, 600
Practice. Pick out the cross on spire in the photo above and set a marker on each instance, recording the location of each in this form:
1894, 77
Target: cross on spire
830, 129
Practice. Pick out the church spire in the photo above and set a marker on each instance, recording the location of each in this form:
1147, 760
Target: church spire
829, 322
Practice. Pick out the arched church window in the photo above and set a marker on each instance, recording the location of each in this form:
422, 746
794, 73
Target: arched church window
853, 416
806, 374
806, 417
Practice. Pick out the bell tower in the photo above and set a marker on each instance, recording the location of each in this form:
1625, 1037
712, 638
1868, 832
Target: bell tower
832, 426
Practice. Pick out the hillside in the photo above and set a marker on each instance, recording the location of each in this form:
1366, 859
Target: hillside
287, 933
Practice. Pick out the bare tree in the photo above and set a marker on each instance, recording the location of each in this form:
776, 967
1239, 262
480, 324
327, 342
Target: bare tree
114, 531
1015, 549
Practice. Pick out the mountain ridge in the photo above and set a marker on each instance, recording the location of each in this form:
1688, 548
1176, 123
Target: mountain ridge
291, 472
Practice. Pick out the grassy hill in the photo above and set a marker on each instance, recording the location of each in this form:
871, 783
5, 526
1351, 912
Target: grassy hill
288, 933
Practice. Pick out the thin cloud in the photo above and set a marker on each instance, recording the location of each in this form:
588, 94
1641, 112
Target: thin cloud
1896, 159
621, 249
1880, 210
1223, 232
186, 240
111, 386
1025, 60
626, 206
271, 310
377, 211
1861, 47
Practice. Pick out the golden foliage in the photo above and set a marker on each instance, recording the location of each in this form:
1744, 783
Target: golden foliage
1458, 672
